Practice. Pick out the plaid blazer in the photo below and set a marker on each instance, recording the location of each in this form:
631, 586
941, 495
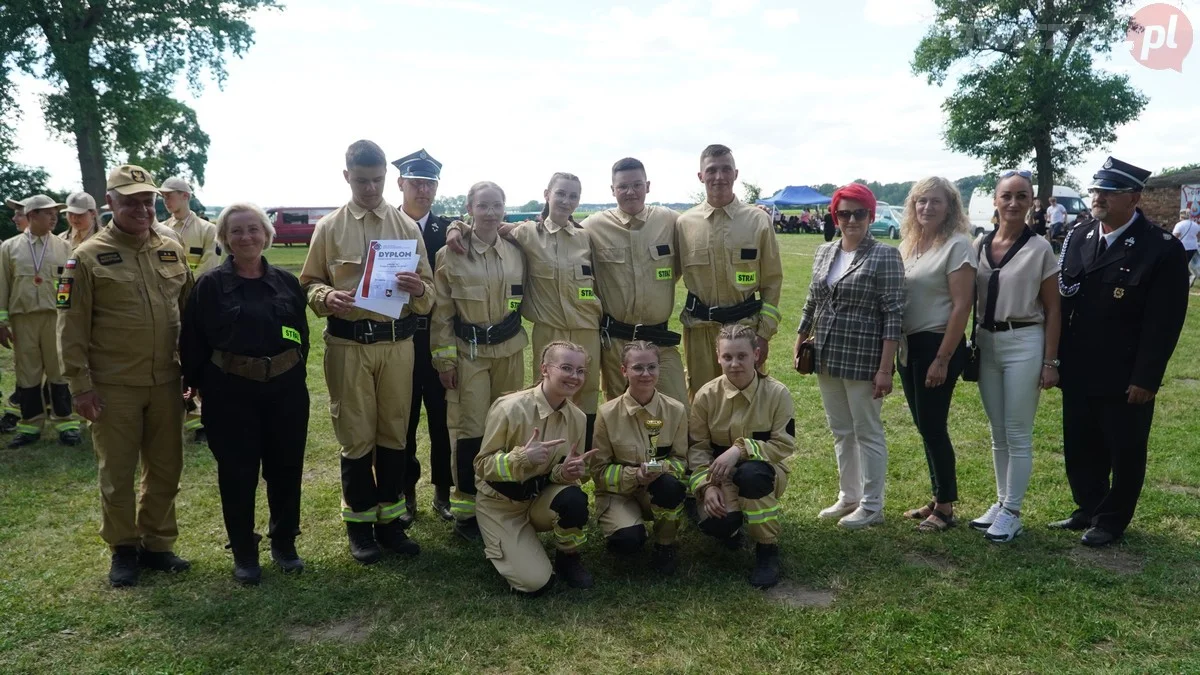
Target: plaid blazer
858, 312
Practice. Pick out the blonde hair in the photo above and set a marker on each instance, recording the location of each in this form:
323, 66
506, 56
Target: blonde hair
243, 207
549, 350
484, 185
639, 346
737, 331
560, 175
956, 218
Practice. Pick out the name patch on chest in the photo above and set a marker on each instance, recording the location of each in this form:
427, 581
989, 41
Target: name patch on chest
110, 258
663, 274
514, 304
168, 256
587, 294
746, 277
292, 334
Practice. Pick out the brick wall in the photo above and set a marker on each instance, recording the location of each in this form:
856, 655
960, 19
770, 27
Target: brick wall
1161, 205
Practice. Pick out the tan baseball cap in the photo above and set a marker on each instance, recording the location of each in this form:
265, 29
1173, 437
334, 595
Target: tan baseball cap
37, 202
80, 202
14, 204
175, 184
130, 179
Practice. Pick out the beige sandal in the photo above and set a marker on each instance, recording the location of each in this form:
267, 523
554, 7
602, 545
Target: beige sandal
921, 513
937, 522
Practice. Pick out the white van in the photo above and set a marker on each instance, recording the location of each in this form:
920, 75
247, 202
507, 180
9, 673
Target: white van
982, 206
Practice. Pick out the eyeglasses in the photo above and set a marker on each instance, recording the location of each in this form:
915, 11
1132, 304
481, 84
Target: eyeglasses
647, 369
488, 208
568, 371
856, 214
1096, 191
1027, 175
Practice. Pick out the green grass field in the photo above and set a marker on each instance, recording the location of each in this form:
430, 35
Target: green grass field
888, 599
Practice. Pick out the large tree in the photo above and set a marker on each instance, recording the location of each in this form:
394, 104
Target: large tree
1028, 86
114, 65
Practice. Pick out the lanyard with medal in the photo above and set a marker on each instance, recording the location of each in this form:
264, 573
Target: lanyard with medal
37, 260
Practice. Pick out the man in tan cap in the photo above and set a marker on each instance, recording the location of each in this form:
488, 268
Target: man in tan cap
199, 239
119, 305
11, 413
18, 209
30, 264
81, 216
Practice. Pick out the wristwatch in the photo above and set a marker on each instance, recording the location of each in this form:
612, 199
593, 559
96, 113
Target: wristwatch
1053, 363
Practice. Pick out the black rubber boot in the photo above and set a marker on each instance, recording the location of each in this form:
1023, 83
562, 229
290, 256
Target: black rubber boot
283, 552
468, 529
664, 560
392, 538
125, 570
201, 436
441, 503
246, 570
363, 546
569, 566
8, 423
409, 516
21, 440
766, 566
163, 561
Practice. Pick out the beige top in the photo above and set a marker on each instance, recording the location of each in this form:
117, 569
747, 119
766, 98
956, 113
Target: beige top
29, 271
510, 422
561, 289
481, 288
1020, 282
74, 240
336, 253
927, 303
728, 254
199, 239
624, 443
637, 263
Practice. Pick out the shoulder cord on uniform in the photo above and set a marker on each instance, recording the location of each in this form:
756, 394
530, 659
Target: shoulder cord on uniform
1064, 289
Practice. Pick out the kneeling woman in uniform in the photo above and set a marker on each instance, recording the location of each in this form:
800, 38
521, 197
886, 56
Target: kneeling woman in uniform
244, 346
527, 476
641, 461
478, 342
742, 430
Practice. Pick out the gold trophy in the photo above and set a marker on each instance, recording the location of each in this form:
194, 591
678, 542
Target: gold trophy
653, 428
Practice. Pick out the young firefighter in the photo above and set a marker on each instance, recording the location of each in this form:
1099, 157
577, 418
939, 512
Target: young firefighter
478, 341
742, 430
641, 460
528, 485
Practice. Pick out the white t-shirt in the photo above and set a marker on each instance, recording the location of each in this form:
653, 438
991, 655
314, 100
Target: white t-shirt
1056, 213
841, 263
1187, 231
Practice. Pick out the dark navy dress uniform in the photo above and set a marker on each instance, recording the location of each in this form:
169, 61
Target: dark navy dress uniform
1123, 308
244, 345
427, 387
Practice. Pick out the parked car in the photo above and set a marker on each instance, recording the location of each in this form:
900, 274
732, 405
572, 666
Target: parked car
887, 221
294, 224
521, 216
982, 206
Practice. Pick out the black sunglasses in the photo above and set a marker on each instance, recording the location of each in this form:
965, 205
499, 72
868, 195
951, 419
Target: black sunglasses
858, 214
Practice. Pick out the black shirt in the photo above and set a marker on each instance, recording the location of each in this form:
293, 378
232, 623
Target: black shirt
249, 317
1037, 221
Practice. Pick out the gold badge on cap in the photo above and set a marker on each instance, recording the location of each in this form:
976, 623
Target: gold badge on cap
138, 175
1118, 293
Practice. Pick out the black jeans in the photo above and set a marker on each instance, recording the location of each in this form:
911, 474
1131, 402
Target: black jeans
1104, 447
427, 388
930, 408
252, 424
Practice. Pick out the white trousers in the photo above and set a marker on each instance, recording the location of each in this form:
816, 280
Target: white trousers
1010, 371
858, 440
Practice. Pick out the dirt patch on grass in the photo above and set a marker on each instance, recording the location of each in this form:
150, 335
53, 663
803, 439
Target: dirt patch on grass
933, 561
1188, 382
352, 630
797, 595
1180, 489
1111, 559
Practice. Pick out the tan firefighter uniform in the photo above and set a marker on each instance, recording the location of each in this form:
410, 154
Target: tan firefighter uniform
199, 239
74, 239
30, 269
760, 421
510, 526
729, 254
624, 445
477, 302
119, 305
369, 380
637, 265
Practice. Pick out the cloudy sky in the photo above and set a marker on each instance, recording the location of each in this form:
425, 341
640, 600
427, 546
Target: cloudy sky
513, 91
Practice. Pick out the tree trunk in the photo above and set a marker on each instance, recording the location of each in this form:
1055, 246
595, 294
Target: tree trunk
1043, 148
88, 142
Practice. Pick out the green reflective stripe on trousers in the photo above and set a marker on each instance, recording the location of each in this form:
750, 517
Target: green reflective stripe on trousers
12, 411
677, 465
567, 538
762, 515
29, 429
771, 311
390, 512
4, 314
360, 517
193, 424
448, 353
661, 513
71, 425
698, 478
462, 507
502, 466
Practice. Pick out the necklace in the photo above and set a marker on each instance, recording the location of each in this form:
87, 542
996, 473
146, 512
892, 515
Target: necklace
37, 260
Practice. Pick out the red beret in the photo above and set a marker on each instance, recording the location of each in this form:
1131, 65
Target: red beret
859, 193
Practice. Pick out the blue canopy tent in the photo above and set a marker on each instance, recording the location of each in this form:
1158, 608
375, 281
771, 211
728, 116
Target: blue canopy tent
795, 195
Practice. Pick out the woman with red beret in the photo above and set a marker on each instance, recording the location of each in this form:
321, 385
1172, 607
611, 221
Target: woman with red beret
854, 310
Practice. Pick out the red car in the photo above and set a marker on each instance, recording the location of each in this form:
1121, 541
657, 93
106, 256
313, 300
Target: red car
294, 224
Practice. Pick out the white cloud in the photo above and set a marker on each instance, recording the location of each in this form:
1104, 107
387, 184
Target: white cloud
779, 18
726, 9
898, 12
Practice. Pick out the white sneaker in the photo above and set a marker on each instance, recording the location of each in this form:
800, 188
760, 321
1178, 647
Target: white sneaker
985, 521
1006, 527
861, 518
839, 509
